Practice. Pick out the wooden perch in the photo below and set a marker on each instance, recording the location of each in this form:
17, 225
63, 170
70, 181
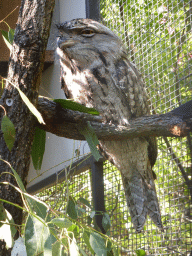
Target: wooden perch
64, 123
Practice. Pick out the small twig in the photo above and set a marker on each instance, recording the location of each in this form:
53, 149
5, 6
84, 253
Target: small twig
4, 110
8, 14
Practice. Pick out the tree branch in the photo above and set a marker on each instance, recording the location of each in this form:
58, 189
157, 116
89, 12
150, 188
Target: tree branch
25, 69
64, 123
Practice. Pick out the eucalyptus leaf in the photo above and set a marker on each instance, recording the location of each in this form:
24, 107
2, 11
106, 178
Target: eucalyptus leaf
86, 237
69, 104
73, 248
57, 248
7, 230
34, 204
8, 130
11, 33
85, 202
91, 139
37, 237
31, 107
74, 229
6, 38
71, 208
38, 148
97, 243
62, 222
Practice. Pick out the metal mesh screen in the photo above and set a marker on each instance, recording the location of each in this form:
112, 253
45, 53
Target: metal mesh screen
159, 41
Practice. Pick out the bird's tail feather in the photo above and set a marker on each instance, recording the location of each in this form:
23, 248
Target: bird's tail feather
142, 200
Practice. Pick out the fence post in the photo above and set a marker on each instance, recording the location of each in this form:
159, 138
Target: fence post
98, 191
93, 9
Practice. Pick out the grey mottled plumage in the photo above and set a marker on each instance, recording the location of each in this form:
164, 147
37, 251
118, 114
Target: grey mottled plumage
96, 72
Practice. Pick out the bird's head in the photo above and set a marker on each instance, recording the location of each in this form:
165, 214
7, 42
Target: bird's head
84, 40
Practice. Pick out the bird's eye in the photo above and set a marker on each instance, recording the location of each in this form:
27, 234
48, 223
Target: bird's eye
87, 32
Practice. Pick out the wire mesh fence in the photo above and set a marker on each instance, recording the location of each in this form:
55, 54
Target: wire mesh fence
159, 41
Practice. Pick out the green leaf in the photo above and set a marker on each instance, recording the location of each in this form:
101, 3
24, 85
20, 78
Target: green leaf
140, 252
6, 38
38, 148
3, 215
8, 130
37, 237
61, 222
17, 177
73, 248
116, 251
31, 107
48, 244
35, 205
57, 248
40, 208
98, 244
106, 222
11, 35
69, 104
86, 237
71, 208
82, 252
91, 139
109, 248
89, 220
74, 229
7, 231
85, 202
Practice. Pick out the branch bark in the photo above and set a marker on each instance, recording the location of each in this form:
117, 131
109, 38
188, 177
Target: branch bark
64, 123
25, 68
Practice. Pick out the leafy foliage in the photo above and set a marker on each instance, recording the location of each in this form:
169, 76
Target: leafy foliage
46, 233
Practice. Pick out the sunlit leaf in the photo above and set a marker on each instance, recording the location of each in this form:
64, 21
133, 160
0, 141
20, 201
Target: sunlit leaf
73, 248
7, 230
74, 229
140, 252
6, 38
37, 237
62, 222
19, 248
31, 107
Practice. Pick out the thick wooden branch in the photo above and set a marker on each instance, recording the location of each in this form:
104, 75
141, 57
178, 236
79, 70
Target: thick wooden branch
65, 123
25, 69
